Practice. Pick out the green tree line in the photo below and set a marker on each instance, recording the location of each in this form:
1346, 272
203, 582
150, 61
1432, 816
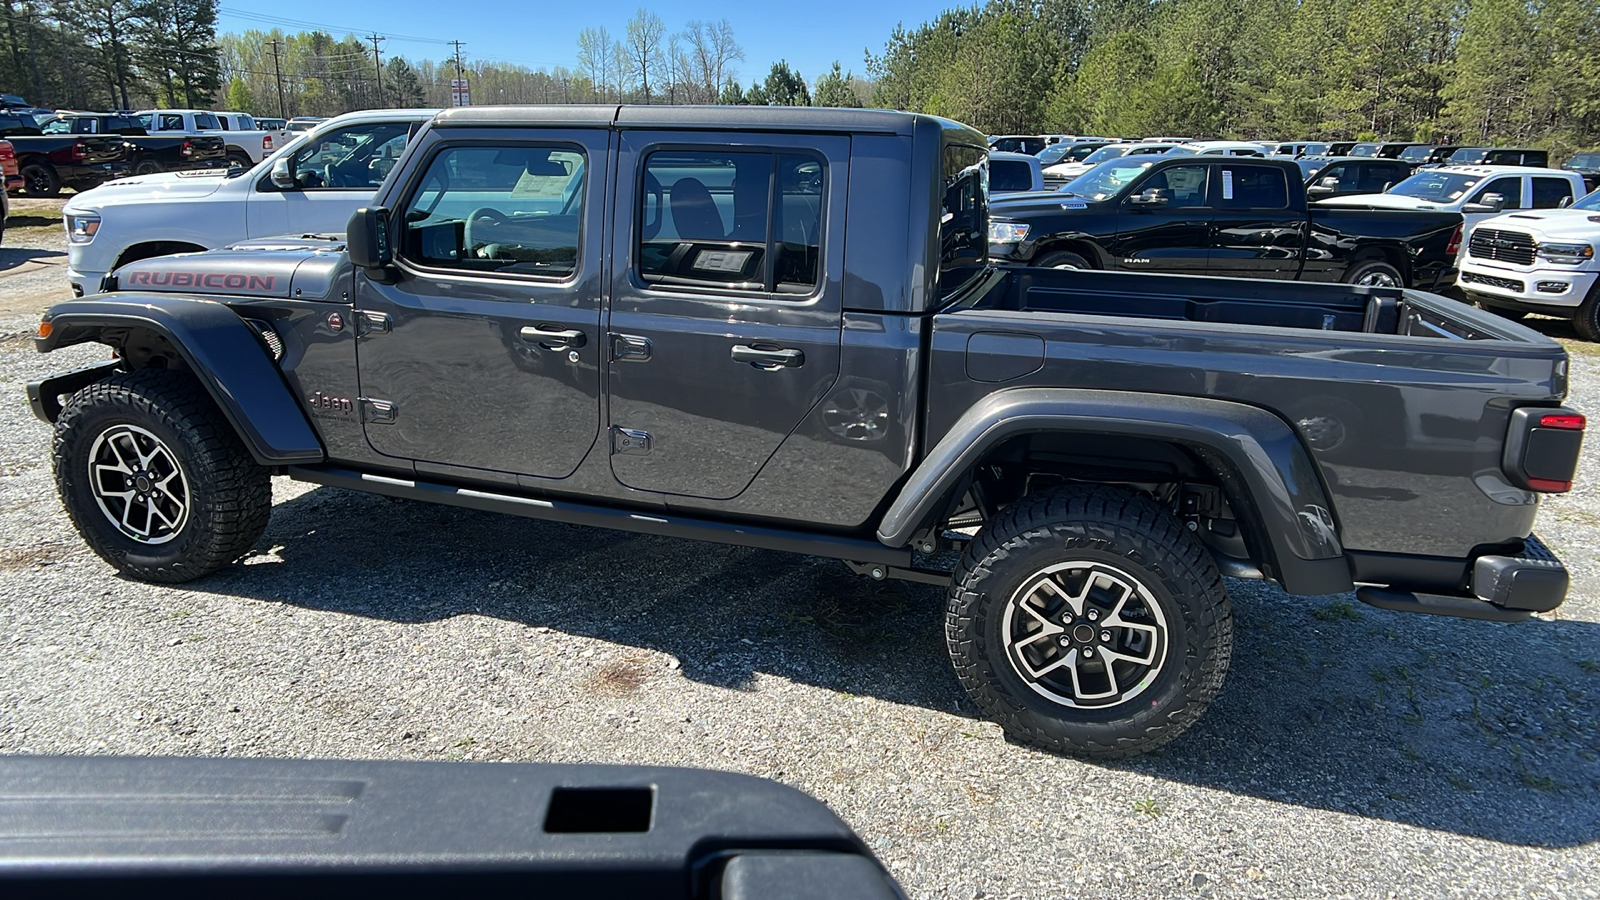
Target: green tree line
1470, 71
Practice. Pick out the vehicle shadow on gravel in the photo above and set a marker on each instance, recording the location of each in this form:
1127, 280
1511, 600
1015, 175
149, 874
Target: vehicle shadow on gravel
12, 257
1474, 728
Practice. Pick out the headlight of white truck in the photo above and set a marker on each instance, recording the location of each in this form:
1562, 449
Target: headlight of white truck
81, 227
1566, 253
1007, 232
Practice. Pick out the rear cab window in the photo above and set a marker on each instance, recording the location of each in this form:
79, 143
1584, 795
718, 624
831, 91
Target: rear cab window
1010, 175
1250, 187
1551, 193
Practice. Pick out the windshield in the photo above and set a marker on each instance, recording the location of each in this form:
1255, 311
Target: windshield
1067, 153
1436, 187
1468, 156
1590, 202
1416, 154
1104, 153
1107, 179
1584, 161
1364, 150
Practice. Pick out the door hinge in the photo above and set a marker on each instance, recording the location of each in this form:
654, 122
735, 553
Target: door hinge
378, 412
371, 322
629, 442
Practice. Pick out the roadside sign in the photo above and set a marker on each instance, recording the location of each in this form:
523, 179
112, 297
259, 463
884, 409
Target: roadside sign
460, 93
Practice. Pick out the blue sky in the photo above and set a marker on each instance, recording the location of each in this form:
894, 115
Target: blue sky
810, 35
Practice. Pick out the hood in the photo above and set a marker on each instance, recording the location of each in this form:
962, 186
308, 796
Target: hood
1384, 201
1024, 202
1067, 170
161, 186
1560, 224
302, 268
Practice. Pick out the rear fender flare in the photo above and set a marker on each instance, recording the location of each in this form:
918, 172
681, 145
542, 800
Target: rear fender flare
221, 350
1277, 476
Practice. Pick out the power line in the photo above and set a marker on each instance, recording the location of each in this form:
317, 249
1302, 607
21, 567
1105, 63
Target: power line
321, 26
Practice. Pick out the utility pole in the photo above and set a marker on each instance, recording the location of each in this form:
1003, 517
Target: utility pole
277, 70
377, 62
459, 74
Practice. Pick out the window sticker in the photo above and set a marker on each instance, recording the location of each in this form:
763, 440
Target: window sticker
721, 260
1227, 184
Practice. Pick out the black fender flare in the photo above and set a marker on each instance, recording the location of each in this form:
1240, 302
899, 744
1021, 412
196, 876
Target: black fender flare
221, 350
1276, 474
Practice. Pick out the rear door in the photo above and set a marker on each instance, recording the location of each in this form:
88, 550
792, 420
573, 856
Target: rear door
725, 314
1256, 231
1173, 236
484, 351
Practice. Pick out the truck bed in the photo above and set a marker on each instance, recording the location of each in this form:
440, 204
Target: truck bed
1396, 393
1248, 302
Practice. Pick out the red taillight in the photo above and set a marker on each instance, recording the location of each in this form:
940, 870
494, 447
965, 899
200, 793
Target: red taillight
1454, 246
1564, 421
1546, 486
188, 148
79, 151
266, 142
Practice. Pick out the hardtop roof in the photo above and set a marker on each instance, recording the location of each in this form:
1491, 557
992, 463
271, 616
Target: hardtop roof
744, 118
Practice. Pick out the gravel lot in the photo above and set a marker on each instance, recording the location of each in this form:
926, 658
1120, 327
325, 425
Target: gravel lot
1353, 752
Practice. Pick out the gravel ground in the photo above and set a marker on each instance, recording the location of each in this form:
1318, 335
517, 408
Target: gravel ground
1353, 752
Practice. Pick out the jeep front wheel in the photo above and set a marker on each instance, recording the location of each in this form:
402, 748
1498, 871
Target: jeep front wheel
155, 479
1087, 620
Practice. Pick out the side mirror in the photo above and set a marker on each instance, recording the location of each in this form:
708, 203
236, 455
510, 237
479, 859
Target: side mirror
367, 238
1495, 202
282, 175
1151, 197
1565, 202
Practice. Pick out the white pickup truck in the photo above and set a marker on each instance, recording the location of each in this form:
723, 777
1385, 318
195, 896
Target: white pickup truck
1477, 192
309, 186
247, 144
1539, 261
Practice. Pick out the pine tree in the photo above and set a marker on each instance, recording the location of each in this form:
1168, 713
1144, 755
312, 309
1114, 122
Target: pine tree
401, 85
833, 89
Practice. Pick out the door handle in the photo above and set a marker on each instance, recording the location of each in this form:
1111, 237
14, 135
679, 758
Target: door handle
553, 338
765, 358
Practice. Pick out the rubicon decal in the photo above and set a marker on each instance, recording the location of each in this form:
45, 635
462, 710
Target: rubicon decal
235, 281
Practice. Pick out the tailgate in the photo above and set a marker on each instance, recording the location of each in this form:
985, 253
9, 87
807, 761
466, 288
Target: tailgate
102, 149
207, 147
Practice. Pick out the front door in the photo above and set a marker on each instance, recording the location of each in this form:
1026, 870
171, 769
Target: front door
1256, 234
1171, 235
485, 351
725, 320
335, 175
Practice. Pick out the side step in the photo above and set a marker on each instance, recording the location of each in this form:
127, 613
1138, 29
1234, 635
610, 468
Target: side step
659, 522
1438, 605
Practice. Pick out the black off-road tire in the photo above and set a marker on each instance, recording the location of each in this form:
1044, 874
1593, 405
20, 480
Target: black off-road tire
1587, 319
1373, 272
1061, 259
1103, 526
229, 496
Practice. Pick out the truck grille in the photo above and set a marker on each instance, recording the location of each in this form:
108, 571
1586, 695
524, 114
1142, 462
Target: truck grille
1507, 284
1512, 247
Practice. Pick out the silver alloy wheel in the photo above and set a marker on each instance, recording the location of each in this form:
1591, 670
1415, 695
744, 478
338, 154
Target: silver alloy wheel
1064, 266
138, 484
1378, 278
1085, 634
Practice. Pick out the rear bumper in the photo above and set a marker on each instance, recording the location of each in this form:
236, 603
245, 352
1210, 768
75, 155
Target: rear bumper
91, 173
1502, 588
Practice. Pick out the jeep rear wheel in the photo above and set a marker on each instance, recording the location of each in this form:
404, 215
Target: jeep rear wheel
155, 479
1087, 620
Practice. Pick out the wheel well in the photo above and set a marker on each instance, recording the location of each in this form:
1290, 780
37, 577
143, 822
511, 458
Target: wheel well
1391, 255
152, 249
142, 348
1082, 248
1200, 487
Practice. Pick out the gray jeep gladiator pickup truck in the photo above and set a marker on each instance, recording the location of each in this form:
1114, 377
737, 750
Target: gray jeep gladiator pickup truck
780, 328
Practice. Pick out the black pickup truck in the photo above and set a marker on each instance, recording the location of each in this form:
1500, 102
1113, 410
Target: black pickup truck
780, 328
50, 161
147, 154
1229, 216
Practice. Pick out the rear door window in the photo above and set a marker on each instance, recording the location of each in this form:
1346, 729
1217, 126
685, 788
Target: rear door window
746, 220
1248, 187
1376, 179
1551, 193
1009, 175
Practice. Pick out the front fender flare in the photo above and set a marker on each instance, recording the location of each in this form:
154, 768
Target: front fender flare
1276, 473
222, 352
